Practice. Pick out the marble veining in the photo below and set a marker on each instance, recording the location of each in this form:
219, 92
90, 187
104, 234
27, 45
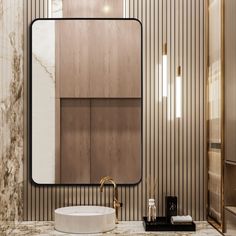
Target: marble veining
38, 60
11, 110
57, 8
6, 227
43, 101
123, 228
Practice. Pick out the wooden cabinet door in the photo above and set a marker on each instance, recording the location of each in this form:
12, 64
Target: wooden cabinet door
116, 140
98, 58
75, 141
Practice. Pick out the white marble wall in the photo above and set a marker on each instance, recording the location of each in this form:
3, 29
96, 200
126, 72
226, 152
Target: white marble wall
11, 109
43, 97
56, 8
43, 101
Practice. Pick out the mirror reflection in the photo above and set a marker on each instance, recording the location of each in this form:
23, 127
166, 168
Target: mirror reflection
86, 101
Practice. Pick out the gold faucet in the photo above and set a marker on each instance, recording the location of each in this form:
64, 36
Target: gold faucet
116, 203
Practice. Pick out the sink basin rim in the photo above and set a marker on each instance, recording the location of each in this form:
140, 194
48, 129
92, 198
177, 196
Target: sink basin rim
84, 219
85, 209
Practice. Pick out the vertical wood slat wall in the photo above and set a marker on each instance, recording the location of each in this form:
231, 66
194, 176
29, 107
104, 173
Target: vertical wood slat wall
174, 150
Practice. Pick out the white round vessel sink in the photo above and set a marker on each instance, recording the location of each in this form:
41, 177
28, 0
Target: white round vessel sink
84, 219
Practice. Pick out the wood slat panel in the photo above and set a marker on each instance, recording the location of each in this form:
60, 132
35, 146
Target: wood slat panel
114, 123
81, 75
173, 150
85, 8
75, 141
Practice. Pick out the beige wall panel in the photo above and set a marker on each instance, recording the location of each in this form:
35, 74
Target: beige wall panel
230, 81
116, 139
75, 141
230, 116
99, 58
92, 8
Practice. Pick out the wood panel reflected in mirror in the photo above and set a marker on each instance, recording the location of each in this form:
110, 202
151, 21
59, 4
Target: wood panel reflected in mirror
86, 104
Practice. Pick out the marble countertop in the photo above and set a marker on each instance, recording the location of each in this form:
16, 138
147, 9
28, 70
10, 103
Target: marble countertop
32, 228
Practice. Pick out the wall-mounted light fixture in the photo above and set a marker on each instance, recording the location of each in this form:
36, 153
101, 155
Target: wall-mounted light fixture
164, 72
178, 93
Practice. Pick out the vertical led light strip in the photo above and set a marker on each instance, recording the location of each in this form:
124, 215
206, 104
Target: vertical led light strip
164, 72
178, 93
178, 81
124, 8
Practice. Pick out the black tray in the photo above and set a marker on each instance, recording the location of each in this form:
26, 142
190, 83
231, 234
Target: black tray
162, 224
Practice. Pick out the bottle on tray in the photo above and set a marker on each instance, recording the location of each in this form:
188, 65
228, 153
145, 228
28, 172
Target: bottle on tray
151, 210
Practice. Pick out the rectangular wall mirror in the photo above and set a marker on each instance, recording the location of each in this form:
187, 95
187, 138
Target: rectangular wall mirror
86, 101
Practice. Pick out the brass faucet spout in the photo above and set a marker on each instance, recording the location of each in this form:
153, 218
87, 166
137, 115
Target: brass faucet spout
116, 203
